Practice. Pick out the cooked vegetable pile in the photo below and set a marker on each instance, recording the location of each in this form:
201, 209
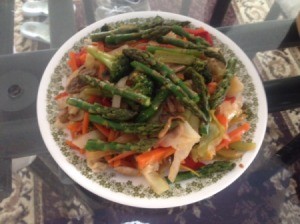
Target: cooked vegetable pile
155, 99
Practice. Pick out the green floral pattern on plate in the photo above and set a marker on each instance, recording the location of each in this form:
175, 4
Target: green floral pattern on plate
115, 182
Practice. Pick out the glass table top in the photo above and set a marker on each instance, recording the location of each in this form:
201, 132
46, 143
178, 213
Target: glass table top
33, 189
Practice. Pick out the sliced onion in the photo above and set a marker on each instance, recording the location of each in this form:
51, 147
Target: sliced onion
116, 100
118, 50
167, 126
128, 171
82, 140
125, 138
177, 68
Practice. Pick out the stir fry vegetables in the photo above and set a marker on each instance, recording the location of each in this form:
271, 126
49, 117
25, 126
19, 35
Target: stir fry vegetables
155, 99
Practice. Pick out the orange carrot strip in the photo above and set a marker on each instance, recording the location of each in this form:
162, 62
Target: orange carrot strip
75, 128
82, 58
61, 95
234, 136
211, 87
75, 147
116, 163
155, 155
223, 144
103, 130
107, 158
112, 135
222, 120
121, 163
121, 156
239, 131
100, 45
72, 61
85, 123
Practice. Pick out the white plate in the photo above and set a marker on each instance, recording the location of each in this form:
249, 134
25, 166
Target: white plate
134, 191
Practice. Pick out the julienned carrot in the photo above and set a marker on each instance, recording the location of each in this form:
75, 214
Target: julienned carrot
75, 128
112, 135
72, 61
103, 130
85, 123
223, 144
100, 45
239, 131
121, 156
75, 147
234, 136
222, 120
153, 156
107, 158
211, 87
61, 95
82, 58
140, 44
121, 163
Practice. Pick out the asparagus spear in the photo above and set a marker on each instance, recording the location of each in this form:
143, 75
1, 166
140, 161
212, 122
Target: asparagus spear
214, 54
202, 68
194, 52
149, 23
179, 43
150, 111
181, 32
200, 87
174, 57
158, 21
218, 97
190, 45
152, 33
148, 59
155, 32
106, 112
175, 22
130, 128
140, 146
176, 90
153, 22
182, 56
207, 170
121, 38
100, 36
126, 93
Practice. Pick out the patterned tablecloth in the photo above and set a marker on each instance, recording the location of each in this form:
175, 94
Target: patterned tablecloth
263, 194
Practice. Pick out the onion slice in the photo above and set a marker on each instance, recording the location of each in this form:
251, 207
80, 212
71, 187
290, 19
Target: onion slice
116, 100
